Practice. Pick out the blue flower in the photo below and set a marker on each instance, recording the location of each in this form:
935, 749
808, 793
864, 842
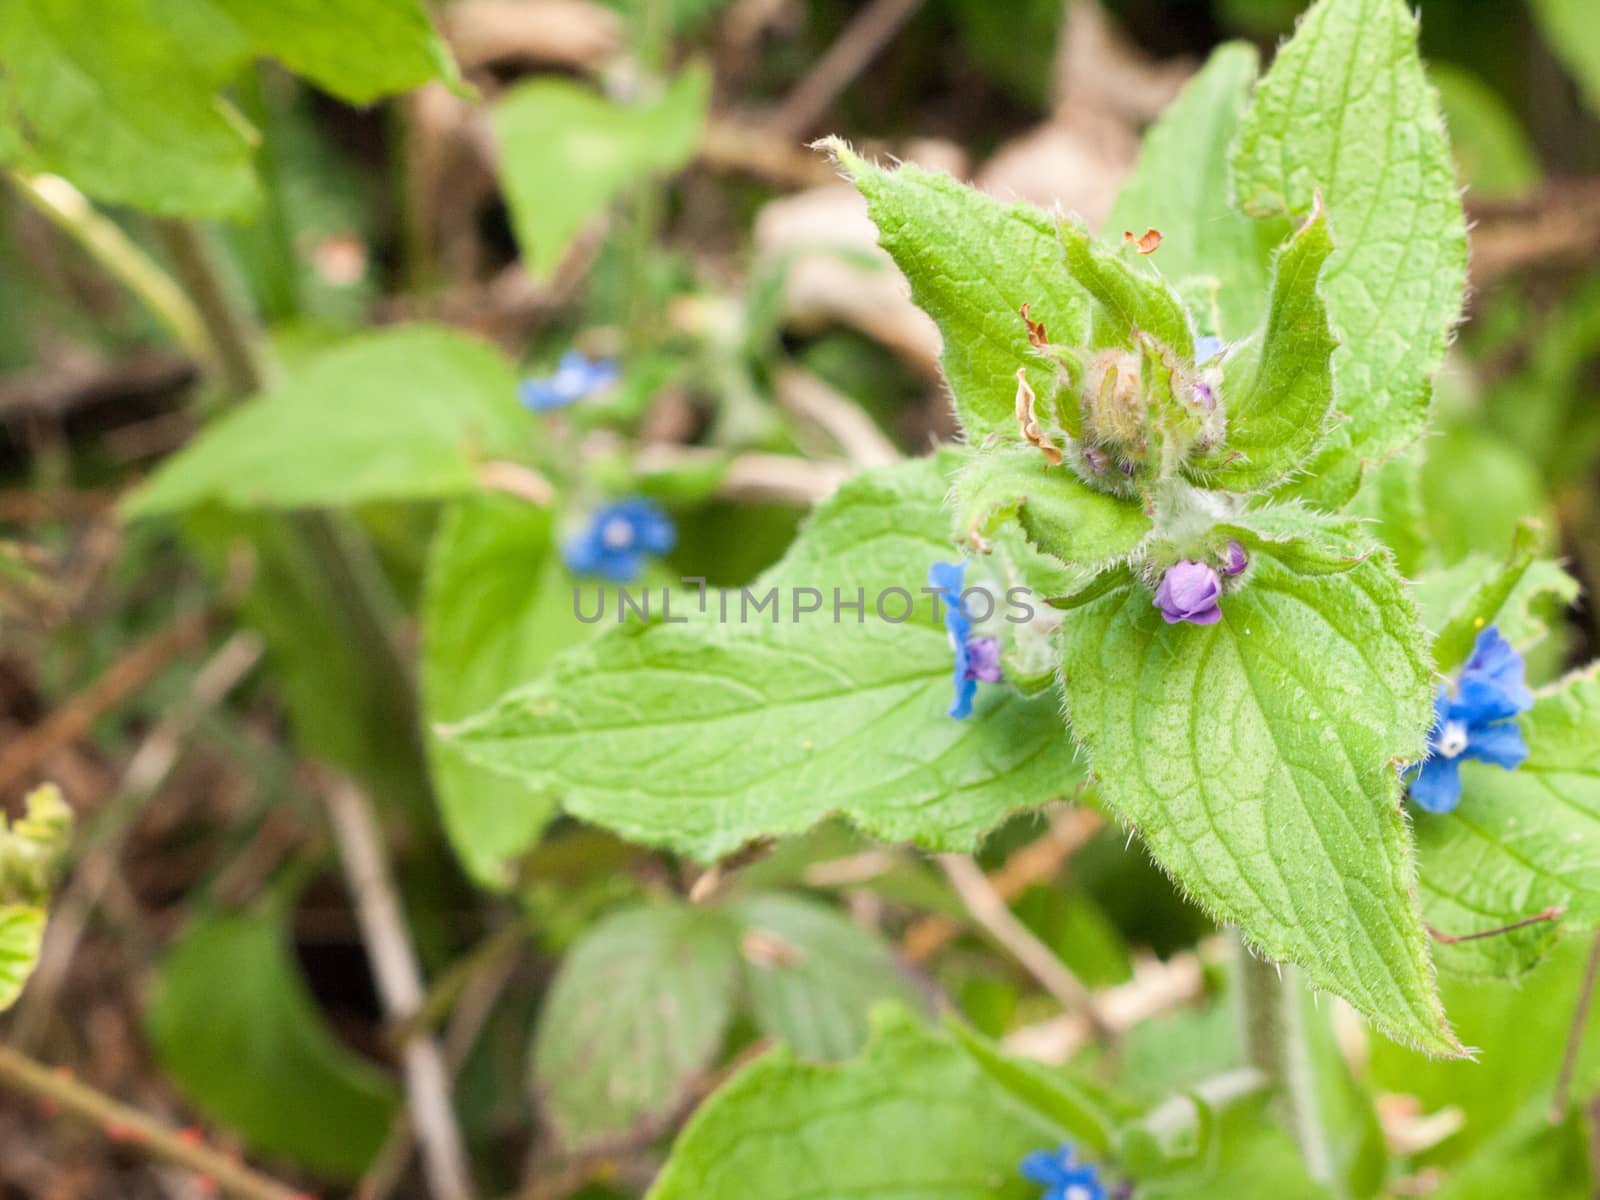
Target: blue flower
1474, 721
617, 540
576, 378
1207, 346
1063, 1176
975, 658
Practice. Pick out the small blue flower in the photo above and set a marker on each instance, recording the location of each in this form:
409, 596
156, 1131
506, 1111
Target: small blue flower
576, 378
975, 658
1063, 1176
618, 539
1206, 347
1474, 721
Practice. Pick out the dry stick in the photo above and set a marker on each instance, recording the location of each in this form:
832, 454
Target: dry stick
141, 779
841, 418
125, 676
858, 45
1037, 862
129, 1125
394, 964
992, 912
491, 969
1580, 1025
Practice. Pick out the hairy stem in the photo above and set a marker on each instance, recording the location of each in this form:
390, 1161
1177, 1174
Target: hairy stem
1272, 1033
132, 1127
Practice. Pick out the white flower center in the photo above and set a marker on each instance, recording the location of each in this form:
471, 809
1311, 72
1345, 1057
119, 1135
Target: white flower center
1452, 739
617, 534
1078, 1192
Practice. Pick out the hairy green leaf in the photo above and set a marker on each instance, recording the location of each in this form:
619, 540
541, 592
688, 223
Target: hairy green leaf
1127, 299
567, 153
1346, 112
1181, 187
636, 1014
749, 721
973, 261
1057, 512
233, 1024
1278, 385
403, 414
1257, 759
915, 1118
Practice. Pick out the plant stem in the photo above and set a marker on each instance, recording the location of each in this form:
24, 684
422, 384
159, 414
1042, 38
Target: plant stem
129, 1125
1272, 1033
1580, 1025
69, 210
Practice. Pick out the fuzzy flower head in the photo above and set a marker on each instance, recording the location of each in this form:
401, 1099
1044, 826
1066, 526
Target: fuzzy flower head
1476, 719
618, 539
975, 658
576, 377
1189, 591
1063, 1176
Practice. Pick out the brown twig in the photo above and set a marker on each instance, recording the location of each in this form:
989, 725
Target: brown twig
399, 978
132, 1127
1037, 862
141, 779
860, 42
1580, 1026
996, 917
72, 720
1554, 913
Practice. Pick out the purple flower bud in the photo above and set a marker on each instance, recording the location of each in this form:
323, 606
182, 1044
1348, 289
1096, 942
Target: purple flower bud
983, 659
1203, 395
1234, 559
1189, 592
1095, 459
1128, 468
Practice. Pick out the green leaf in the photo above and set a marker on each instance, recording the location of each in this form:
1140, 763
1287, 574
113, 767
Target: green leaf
1471, 609
404, 414
915, 1118
704, 735
1572, 31
636, 1015
1256, 758
811, 975
973, 262
233, 1024
497, 606
1474, 588
1347, 112
1057, 512
357, 50
550, 129
1129, 300
1520, 841
103, 95
121, 96
1476, 489
1181, 186
1278, 385
1531, 1158
21, 938
33, 846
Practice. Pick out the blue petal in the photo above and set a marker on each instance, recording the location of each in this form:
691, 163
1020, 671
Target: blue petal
1500, 744
653, 530
966, 689
538, 395
1493, 683
1437, 787
947, 577
1207, 346
1043, 1166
